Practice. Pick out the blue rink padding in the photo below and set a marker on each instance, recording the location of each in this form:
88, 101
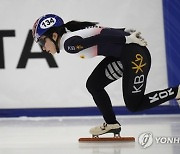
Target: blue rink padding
83, 111
171, 10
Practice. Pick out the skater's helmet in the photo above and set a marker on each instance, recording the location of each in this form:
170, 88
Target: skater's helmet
44, 23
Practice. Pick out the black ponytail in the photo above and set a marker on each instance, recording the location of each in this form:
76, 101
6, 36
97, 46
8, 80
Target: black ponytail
71, 26
77, 25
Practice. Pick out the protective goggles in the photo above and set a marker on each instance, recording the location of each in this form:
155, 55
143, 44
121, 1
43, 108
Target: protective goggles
42, 41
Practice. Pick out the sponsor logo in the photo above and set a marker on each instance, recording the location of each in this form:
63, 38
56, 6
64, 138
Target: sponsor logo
71, 48
79, 47
138, 84
138, 63
161, 95
139, 79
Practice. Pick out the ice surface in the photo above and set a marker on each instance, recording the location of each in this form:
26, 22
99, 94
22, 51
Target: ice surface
59, 135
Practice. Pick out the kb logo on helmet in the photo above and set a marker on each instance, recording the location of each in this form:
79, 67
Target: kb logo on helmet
48, 22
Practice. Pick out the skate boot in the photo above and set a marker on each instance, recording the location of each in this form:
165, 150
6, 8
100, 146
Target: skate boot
106, 128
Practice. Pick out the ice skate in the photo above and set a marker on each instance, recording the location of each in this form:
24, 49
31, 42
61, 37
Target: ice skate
106, 128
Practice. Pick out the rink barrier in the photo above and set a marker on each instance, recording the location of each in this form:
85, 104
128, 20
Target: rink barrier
83, 111
172, 29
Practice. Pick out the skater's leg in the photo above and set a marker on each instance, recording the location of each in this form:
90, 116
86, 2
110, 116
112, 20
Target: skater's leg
137, 62
107, 71
156, 98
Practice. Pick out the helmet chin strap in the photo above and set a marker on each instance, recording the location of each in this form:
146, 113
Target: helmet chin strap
55, 43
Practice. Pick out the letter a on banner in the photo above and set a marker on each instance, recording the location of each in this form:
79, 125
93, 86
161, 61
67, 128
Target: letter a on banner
27, 54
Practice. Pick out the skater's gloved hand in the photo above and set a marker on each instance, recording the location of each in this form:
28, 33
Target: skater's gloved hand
135, 37
130, 31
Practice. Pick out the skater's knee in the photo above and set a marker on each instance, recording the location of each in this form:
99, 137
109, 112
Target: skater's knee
132, 108
91, 86
133, 103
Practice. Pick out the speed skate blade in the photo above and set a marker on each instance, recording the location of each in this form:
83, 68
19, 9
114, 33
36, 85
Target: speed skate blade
107, 139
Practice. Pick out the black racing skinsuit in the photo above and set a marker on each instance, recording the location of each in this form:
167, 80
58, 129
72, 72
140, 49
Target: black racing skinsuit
132, 62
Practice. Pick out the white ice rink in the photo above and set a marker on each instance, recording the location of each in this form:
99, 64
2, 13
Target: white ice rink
59, 135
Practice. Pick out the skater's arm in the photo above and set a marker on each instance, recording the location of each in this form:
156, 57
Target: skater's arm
75, 44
